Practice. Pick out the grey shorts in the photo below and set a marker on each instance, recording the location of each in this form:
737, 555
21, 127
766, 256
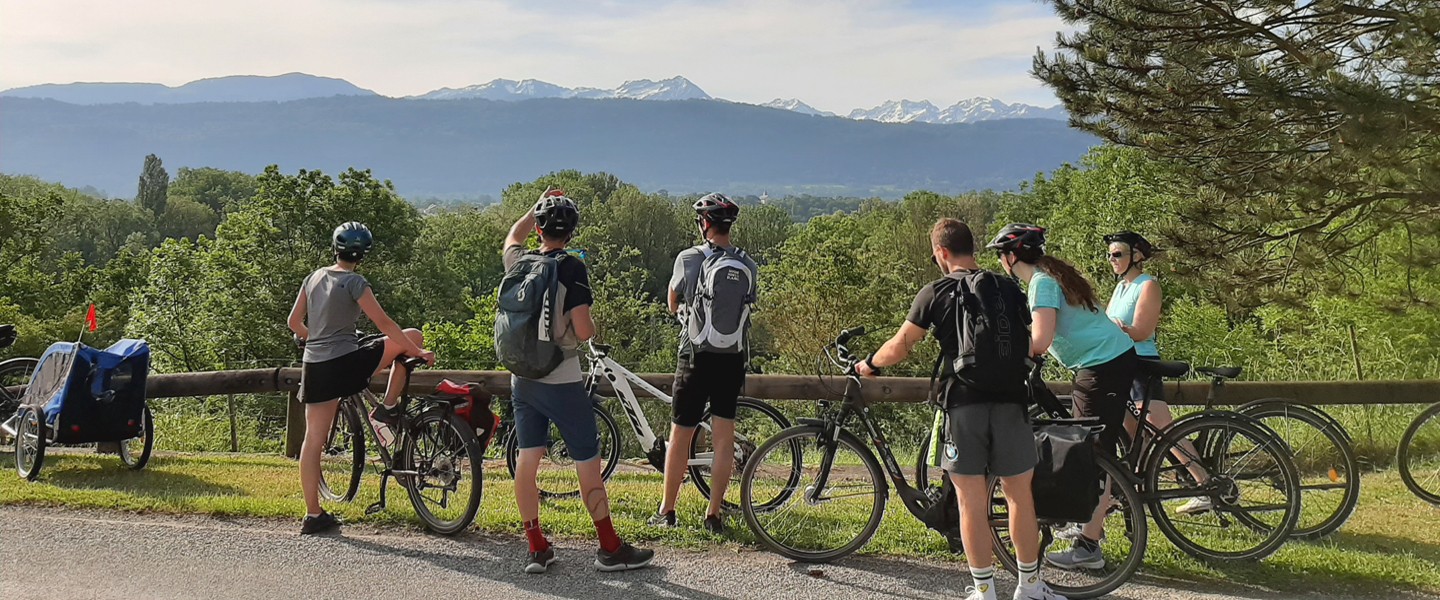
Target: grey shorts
988, 439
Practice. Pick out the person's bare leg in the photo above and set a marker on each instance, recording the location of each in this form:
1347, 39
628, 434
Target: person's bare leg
677, 453
1024, 531
1161, 417
318, 419
393, 351
722, 440
527, 492
974, 498
592, 489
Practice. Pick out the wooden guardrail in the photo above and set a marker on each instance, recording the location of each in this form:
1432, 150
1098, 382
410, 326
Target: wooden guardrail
795, 387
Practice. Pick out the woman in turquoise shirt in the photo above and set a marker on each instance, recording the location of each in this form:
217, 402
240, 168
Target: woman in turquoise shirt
1067, 321
1135, 307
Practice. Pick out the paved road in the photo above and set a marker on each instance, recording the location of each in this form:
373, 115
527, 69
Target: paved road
72, 555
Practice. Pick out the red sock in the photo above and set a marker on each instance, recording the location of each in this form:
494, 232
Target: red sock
609, 542
538, 543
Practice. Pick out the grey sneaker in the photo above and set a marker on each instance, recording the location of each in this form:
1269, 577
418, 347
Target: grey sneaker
540, 561
1077, 557
665, 520
625, 558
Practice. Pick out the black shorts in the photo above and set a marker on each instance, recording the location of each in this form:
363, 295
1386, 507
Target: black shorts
341, 376
1104, 391
714, 380
1147, 386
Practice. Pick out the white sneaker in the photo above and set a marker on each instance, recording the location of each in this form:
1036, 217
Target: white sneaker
974, 594
1196, 506
1039, 592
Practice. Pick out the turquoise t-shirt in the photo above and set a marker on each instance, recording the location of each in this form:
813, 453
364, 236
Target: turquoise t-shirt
1083, 338
1122, 306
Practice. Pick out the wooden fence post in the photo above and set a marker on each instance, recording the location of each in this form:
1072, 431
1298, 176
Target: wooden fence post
294, 425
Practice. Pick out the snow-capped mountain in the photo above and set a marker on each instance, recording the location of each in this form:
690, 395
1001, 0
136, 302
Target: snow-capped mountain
674, 88
792, 104
899, 111
990, 109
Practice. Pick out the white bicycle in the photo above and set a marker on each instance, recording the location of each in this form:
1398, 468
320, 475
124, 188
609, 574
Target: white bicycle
755, 422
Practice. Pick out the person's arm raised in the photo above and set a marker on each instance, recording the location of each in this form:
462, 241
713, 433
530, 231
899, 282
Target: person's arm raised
520, 231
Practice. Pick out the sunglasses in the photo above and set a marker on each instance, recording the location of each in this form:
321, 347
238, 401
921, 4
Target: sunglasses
1115, 255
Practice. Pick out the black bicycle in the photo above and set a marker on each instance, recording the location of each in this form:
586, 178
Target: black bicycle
1219, 485
436, 456
15, 375
835, 479
1419, 455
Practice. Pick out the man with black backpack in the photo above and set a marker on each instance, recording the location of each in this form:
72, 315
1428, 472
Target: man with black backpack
712, 289
542, 316
982, 322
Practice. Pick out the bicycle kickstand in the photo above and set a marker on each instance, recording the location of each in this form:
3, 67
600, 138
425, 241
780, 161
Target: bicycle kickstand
379, 505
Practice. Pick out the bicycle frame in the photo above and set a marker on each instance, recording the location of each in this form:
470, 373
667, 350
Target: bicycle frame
621, 379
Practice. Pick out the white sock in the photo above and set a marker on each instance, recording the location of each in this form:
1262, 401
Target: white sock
1029, 575
984, 581
311, 516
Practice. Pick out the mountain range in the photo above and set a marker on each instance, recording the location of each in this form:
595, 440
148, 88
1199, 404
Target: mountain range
471, 147
299, 86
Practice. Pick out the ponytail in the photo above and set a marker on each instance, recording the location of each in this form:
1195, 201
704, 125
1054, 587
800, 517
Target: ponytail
1077, 289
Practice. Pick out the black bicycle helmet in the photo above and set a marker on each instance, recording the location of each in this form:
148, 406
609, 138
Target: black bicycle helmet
556, 215
716, 208
1134, 240
351, 241
1017, 237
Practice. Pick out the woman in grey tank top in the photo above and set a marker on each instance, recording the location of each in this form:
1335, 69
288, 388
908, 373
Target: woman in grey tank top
336, 364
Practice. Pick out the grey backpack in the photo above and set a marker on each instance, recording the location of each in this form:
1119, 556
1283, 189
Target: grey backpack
525, 336
719, 308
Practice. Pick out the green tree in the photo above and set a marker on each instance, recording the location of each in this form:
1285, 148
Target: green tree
216, 188
1308, 125
154, 186
171, 309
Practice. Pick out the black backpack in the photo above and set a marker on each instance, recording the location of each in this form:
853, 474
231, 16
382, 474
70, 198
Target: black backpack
992, 332
526, 340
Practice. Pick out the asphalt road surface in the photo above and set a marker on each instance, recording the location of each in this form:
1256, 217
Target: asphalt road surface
73, 555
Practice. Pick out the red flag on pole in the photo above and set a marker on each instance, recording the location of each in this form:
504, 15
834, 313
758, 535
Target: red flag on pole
90, 322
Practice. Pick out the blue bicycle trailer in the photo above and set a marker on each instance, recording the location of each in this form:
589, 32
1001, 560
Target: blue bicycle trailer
84, 395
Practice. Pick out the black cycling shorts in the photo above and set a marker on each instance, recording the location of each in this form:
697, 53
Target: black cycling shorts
713, 380
341, 376
1104, 391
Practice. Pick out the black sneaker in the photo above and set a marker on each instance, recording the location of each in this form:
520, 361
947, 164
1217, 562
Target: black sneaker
324, 522
540, 561
714, 524
666, 520
625, 558
387, 415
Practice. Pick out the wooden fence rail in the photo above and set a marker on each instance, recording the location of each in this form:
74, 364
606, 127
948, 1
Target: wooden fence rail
794, 387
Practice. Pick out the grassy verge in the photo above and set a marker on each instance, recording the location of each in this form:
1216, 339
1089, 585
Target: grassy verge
1391, 543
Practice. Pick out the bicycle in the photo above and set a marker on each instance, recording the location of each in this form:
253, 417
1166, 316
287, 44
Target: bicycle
1324, 460
1418, 456
1250, 481
438, 459
844, 479
755, 421
15, 375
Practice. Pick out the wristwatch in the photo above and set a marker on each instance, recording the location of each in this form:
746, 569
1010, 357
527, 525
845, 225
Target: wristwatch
871, 363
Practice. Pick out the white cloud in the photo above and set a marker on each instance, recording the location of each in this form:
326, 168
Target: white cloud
835, 55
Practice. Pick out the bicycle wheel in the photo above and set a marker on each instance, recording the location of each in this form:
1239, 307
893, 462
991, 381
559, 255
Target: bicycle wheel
755, 422
14, 376
1123, 543
343, 461
29, 443
1250, 482
135, 452
556, 476
445, 482
816, 523
1325, 462
1419, 456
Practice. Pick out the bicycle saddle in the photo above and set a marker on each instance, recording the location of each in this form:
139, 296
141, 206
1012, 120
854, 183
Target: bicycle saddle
1225, 372
1164, 368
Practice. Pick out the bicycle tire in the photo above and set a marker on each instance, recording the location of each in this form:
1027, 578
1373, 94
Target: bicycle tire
346, 437
30, 442
810, 436
458, 443
1216, 435
769, 423
1321, 471
557, 453
1070, 583
14, 372
146, 441
1420, 481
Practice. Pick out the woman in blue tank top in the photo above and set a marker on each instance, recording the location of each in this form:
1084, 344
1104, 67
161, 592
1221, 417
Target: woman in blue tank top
1135, 307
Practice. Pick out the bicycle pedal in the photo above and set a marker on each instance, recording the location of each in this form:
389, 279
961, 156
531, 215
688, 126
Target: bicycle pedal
374, 508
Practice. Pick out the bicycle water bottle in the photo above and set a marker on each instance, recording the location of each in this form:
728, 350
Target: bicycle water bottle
382, 432
936, 430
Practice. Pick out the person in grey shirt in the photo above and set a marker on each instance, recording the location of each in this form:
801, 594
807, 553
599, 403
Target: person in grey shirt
706, 375
337, 363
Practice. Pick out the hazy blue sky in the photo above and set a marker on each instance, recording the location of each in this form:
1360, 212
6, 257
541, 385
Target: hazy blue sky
835, 55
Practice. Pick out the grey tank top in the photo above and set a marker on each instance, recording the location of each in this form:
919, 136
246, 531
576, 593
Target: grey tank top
331, 309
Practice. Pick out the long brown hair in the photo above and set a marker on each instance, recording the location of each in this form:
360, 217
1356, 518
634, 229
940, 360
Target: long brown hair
1077, 289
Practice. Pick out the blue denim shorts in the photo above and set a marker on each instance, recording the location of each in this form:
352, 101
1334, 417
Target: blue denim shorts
567, 405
